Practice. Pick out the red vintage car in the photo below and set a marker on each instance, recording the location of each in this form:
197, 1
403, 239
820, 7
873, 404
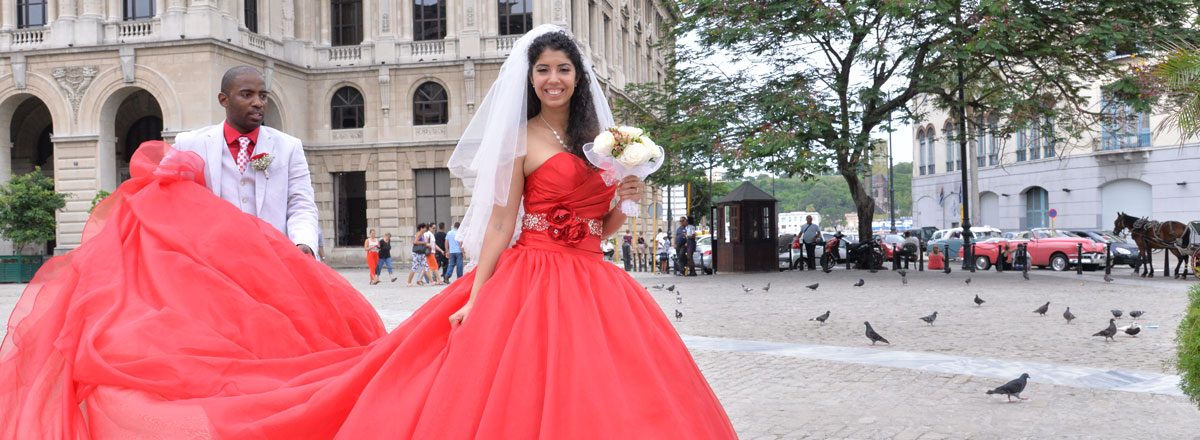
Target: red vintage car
1047, 247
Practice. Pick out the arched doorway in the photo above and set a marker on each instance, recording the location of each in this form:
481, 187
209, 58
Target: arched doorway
1037, 208
1131, 196
989, 209
271, 117
138, 119
26, 130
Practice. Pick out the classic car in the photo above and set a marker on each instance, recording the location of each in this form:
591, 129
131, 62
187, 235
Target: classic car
1056, 249
949, 241
1123, 251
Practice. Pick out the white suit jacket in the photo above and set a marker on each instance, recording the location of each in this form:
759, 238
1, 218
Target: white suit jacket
285, 200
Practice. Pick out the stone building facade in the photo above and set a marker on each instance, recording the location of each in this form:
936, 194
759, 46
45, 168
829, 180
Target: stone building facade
1121, 163
377, 90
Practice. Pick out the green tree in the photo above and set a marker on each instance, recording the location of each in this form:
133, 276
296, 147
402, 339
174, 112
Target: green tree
834, 71
27, 206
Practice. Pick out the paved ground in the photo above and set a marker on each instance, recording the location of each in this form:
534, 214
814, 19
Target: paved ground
773, 396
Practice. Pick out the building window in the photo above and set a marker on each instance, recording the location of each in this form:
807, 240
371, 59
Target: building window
951, 144
350, 223
433, 195
251, 15
139, 10
982, 143
31, 13
345, 16
1037, 208
429, 20
1048, 136
515, 17
921, 150
430, 106
1123, 126
347, 108
608, 50
993, 141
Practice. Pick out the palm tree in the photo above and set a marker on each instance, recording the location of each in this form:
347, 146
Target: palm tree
1179, 75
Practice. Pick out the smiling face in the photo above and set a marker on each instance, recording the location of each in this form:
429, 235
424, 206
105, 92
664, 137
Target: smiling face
245, 101
553, 78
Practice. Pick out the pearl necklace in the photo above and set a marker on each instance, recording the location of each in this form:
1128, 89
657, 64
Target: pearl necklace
552, 130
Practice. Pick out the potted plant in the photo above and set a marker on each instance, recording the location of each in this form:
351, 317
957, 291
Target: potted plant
27, 206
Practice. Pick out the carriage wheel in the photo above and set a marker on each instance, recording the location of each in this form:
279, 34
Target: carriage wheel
1196, 263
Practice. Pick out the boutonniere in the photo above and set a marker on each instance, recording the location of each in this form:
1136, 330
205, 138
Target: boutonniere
261, 161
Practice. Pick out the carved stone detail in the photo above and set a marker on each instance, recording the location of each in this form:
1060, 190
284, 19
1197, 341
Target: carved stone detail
430, 131
470, 16
347, 135
75, 81
558, 10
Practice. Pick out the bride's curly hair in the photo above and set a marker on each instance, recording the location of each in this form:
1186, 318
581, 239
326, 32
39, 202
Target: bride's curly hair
582, 124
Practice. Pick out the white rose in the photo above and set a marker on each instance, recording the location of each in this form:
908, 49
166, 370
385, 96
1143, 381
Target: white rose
632, 132
604, 143
634, 154
655, 152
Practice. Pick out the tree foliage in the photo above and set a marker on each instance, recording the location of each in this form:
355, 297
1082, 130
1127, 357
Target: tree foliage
829, 73
27, 206
1188, 337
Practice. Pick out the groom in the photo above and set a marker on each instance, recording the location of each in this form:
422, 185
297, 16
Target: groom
235, 151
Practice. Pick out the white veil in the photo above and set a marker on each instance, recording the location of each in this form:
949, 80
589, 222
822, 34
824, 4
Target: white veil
495, 137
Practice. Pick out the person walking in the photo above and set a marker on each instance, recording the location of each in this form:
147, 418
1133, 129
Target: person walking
443, 260
431, 260
808, 235
385, 257
372, 246
454, 249
643, 254
419, 250
627, 251
684, 235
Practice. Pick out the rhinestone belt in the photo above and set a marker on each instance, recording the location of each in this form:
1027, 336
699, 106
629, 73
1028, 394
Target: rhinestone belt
541, 222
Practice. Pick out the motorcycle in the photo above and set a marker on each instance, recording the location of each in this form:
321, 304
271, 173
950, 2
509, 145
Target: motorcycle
868, 255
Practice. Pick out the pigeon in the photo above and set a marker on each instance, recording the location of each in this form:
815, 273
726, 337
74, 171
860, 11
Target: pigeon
768, 288
968, 281
1042, 310
1068, 315
678, 315
874, 271
978, 301
860, 283
827, 269
1108, 278
678, 299
1135, 314
874, 337
1012, 388
902, 272
1116, 313
1133, 330
659, 286
747, 289
929, 318
1108, 332
671, 288
813, 286
1026, 275
821, 318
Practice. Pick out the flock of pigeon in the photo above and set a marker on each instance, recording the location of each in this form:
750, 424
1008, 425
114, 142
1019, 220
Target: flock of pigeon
1011, 389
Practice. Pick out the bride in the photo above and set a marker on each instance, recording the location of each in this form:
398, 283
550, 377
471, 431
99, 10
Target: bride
236, 334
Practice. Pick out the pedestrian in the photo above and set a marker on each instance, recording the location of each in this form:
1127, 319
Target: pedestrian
627, 250
643, 254
664, 253
808, 235
443, 261
456, 253
321, 246
372, 246
936, 258
912, 245
691, 247
606, 246
431, 261
385, 257
684, 235
419, 249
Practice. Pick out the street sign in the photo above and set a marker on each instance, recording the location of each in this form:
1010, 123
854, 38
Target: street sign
654, 210
1053, 213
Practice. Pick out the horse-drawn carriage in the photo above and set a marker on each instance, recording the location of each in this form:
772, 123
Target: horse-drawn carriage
1194, 248
1170, 236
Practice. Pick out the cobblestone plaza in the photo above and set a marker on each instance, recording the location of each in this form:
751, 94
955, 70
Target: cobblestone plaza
781, 376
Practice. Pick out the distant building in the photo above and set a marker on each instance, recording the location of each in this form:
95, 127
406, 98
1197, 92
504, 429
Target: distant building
791, 222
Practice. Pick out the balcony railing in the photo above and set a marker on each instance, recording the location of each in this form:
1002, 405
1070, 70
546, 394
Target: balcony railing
345, 53
424, 48
505, 43
29, 37
135, 29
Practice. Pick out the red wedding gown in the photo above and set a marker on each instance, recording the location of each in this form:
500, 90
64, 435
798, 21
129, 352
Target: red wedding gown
181, 317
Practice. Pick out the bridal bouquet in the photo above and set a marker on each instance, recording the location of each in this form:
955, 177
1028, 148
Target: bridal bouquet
621, 152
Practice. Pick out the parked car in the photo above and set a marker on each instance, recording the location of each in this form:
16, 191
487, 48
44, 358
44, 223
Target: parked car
1051, 248
703, 254
950, 240
925, 234
790, 252
1123, 252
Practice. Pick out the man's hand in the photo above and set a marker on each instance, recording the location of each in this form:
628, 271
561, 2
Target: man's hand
304, 248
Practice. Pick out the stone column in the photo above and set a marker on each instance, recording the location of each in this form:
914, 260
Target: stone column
451, 20
369, 21
9, 16
325, 23
5, 161
95, 8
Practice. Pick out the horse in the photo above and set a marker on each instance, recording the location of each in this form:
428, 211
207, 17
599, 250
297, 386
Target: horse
1150, 235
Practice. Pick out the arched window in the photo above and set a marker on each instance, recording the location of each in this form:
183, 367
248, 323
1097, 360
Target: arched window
921, 154
515, 16
347, 108
430, 105
1037, 208
429, 20
951, 131
31, 13
345, 17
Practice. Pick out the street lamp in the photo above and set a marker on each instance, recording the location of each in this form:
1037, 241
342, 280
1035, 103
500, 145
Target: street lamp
968, 258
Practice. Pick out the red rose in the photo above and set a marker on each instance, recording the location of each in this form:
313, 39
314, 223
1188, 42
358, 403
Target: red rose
577, 232
258, 156
560, 217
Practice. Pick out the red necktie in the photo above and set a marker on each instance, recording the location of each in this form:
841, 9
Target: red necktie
243, 157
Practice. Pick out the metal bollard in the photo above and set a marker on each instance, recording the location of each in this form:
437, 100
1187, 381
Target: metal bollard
895, 257
1166, 263
1079, 262
1108, 259
999, 258
1024, 259
920, 259
972, 257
